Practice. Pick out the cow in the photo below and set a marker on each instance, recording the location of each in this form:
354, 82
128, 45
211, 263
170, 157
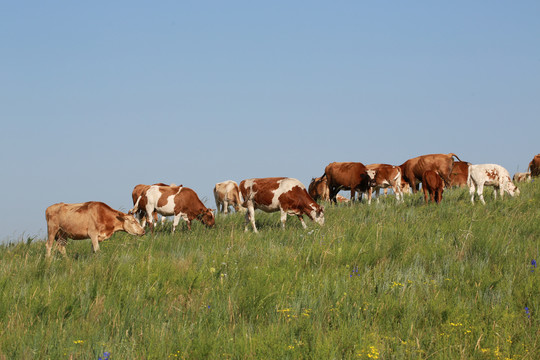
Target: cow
522, 177
347, 176
490, 175
287, 195
318, 189
138, 190
227, 194
341, 199
413, 169
433, 184
459, 174
534, 166
384, 176
177, 201
90, 220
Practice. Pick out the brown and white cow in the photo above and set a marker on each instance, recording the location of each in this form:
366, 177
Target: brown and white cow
347, 176
490, 175
318, 189
287, 195
534, 166
413, 169
433, 184
227, 194
138, 190
459, 174
522, 177
90, 220
384, 176
177, 201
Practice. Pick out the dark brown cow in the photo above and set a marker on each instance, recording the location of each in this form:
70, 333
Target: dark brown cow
318, 189
384, 176
432, 183
90, 220
287, 195
459, 174
177, 201
534, 166
413, 169
347, 176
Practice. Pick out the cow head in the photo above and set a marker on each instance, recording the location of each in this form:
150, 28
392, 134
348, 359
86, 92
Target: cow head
513, 190
317, 214
131, 225
207, 217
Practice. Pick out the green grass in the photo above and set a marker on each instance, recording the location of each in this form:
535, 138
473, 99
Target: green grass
387, 281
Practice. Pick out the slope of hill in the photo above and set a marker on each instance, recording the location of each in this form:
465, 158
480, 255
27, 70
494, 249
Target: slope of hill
403, 281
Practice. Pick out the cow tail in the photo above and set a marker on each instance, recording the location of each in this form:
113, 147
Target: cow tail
136, 206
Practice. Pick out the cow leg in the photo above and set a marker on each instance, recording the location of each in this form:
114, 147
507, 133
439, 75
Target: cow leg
283, 218
424, 189
353, 195
369, 194
250, 217
378, 193
501, 192
61, 243
50, 240
176, 220
397, 192
333, 193
480, 192
95, 242
301, 218
472, 189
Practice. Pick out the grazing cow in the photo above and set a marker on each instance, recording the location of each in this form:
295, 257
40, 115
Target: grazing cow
413, 169
432, 183
318, 189
287, 195
94, 220
522, 177
534, 166
384, 176
227, 194
138, 190
459, 174
490, 175
177, 201
347, 176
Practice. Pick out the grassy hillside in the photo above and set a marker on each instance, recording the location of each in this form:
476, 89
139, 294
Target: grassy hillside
385, 281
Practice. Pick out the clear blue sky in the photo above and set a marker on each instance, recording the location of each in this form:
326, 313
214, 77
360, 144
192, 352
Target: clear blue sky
99, 96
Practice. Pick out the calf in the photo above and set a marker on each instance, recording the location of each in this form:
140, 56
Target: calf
432, 183
177, 201
490, 175
287, 195
227, 194
90, 220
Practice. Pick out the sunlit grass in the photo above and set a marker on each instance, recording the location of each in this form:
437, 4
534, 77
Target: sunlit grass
382, 281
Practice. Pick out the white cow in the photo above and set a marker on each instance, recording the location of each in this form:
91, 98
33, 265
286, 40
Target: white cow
490, 175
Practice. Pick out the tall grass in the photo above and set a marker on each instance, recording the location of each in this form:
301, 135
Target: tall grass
385, 281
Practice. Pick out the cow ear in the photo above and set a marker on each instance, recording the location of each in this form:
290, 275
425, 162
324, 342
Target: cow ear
121, 217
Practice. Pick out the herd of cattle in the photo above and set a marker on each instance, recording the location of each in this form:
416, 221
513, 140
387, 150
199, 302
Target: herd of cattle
98, 221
